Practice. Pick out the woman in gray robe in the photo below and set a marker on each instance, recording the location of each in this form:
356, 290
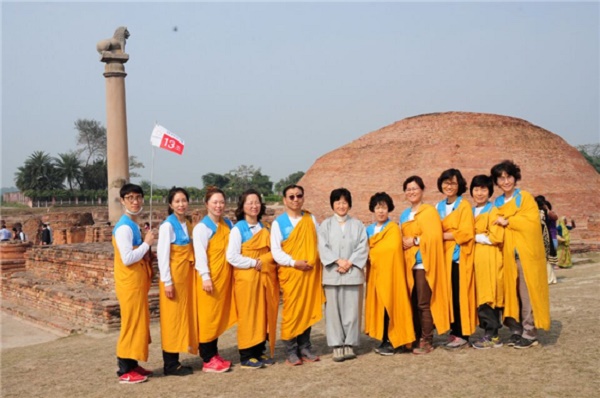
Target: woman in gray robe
343, 247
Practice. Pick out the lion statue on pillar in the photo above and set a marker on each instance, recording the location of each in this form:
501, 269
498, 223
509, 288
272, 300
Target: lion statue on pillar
115, 44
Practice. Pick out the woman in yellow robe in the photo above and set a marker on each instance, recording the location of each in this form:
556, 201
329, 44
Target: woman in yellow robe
388, 313
488, 263
133, 274
458, 227
526, 295
178, 328
214, 281
425, 266
255, 287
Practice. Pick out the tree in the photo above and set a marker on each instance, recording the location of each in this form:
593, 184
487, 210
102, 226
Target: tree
38, 173
69, 167
215, 180
94, 176
91, 137
591, 152
134, 163
291, 179
246, 177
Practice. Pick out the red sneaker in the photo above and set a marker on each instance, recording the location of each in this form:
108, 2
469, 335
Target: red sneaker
224, 361
215, 366
143, 372
132, 377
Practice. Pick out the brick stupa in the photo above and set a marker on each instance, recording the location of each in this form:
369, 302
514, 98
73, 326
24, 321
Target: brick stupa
426, 145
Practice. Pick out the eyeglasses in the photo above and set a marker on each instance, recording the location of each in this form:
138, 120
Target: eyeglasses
293, 197
412, 189
134, 198
449, 184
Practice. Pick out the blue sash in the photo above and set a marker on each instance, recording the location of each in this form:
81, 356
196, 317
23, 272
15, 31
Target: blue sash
137, 235
404, 218
245, 230
181, 238
371, 228
212, 226
441, 208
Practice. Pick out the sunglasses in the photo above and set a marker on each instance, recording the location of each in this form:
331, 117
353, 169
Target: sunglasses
293, 197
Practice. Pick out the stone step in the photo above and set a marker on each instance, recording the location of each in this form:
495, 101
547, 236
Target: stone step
75, 306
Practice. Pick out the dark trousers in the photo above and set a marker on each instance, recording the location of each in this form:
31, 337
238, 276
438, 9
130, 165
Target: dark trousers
386, 326
170, 360
298, 343
456, 326
489, 319
421, 306
208, 350
126, 365
252, 352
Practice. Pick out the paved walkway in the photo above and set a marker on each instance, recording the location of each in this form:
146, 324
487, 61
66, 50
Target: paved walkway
19, 333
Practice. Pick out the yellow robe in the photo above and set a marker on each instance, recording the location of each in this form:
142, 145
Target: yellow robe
489, 273
178, 328
257, 294
132, 284
461, 224
387, 289
216, 311
524, 234
303, 295
427, 226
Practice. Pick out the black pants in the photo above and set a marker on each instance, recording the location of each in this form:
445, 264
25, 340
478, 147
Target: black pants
489, 319
126, 365
252, 352
456, 326
386, 326
171, 360
208, 350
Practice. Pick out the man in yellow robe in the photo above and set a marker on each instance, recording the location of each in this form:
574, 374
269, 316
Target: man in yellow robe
526, 294
294, 245
133, 274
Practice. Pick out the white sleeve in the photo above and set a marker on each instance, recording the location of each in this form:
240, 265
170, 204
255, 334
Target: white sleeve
124, 239
166, 236
315, 221
201, 236
483, 239
234, 251
280, 257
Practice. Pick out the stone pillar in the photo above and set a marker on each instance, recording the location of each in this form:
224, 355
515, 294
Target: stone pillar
112, 53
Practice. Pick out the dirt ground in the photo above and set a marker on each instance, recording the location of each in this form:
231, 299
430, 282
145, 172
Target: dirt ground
567, 364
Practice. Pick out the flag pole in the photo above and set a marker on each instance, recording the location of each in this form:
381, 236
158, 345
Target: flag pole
152, 179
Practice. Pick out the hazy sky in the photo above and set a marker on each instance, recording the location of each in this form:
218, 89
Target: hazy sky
277, 85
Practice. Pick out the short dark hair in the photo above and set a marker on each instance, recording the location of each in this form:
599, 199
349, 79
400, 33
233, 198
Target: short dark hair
481, 180
130, 188
509, 167
239, 212
381, 197
448, 175
174, 191
338, 194
292, 186
416, 179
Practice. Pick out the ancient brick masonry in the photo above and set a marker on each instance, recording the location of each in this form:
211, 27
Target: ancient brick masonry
426, 145
67, 287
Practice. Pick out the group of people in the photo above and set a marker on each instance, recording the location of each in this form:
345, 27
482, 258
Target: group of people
446, 267
16, 234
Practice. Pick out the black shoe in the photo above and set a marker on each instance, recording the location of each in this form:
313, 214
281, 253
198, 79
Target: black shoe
385, 349
179, 371
512, 340
526, 343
